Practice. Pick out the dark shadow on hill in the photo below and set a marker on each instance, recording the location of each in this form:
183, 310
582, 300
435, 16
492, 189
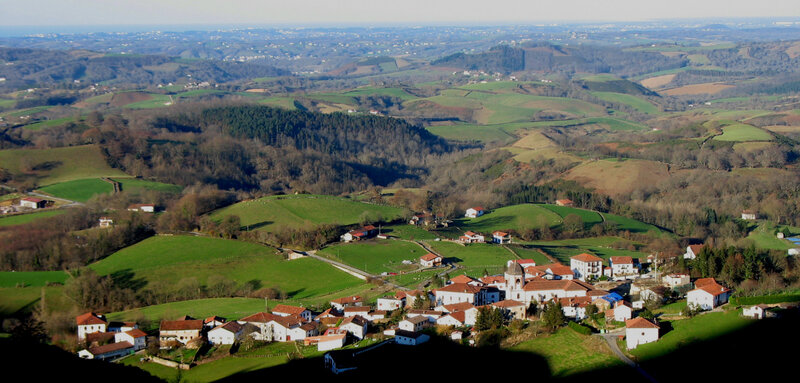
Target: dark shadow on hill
292, 294
438, 358
126, 279
493, 221
47, 165
451, 260
38, 363
256, 225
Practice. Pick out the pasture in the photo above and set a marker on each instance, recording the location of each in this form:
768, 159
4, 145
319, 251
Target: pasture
516, 217
31, 278
743, 132
54, 165
78, 190
138, 185
304, 210
21, 219
637, 103
165, 260
589, 217
475, 257
376, 256
616, 177
695, 89
562, 250
568, 352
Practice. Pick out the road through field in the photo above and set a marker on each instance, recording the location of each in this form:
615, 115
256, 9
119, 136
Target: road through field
611, 339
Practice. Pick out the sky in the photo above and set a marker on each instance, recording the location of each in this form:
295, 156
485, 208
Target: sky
375, 12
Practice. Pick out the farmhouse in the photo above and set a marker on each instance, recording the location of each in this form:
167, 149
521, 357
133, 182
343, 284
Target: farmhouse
286, 310
410, 338
640, 331
356, 310
501, 237
32, 203
622, 312
586, 266
359, 234
565, 202
623, 267
213, 321
575, 307
108, 351
511, 309
474, 212
460, 292
89, 323
341, 303
430, 260
465, 279
472, 237
227, 333
182, 331
755, 312
707, 294
143, 207
675, 280
326, 342
749, 215
544, 290
414, 324
430, 315
692, 251
455, 319
136, 337
355, 325
105, 222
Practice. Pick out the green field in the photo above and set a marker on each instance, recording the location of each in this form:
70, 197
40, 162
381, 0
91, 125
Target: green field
168, 259
686, 331
138, 185
589, 217
51, 166
530, 253
474, 258
517, 217
406, 231
49, 123
568, 352
743, 132
599, 246
639, 104
281, 102
229, 308
27, 218
297, 211
78, 190
376, 256
473, 132
630, 224
31, 278
764, 237
158, 101
25, 299
412, 280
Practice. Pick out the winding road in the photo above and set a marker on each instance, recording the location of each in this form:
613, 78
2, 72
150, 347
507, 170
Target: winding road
611, 339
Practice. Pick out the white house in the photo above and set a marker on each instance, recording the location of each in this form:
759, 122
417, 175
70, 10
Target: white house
32, 203
355, 325
640, 331
105, 222
341, 303
89, 323
108, 351
472, 237
430, 260
511, 309
675, 280
414, 324
755, 312
501, 237
749, 215
586, 266
143, 207
623, 267
692, 251
564, 202
391, 303
326, 342
622, 312
286, 310
182, 331
543, 290
575, 307
455, 319
227, 333
136, 337
408, 338
363, 311
707, 294
430, 315
474, 212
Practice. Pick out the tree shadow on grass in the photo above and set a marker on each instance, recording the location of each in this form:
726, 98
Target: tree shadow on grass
126, 279
257, 225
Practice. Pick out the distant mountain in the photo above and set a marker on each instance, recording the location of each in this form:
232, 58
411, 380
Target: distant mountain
23, 68
550, 57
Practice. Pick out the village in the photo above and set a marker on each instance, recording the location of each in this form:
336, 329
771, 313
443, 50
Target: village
619, 293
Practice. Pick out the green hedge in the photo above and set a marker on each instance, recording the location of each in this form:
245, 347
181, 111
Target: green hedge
765, 299
579, 328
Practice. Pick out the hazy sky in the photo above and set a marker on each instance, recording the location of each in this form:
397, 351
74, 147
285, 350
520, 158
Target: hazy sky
375, 12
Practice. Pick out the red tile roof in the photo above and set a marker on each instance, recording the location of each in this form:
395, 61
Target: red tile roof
463, 306
559, 269
470, 233
136, 333
586, 257
347, 300
460, 288
286, 309
561, 284
575, 301
99, 337
459, 316
696, 249
463, 279
176, 325
429, 257
89, 319
261, 317
508, 303
622, 260
640, 322
99, 350
704, 281
499, 234
214, 319
493, 279
32, 199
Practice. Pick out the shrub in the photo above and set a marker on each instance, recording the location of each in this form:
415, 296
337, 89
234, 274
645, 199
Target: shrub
579, 328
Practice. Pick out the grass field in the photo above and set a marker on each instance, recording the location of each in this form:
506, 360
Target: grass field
473, 132
27, 218
526, 252
31, 278
743, 132
168, 259
25, 299
704, 88
229, 308
376, 256
413, 280
475, 257
630, 224
568, 352
639, 104
157, 101
78, 190
50, 166
49, 123
510, 217
137, 185
763, 236
281, 102
270, 213
589, 217
405, 231
686, 331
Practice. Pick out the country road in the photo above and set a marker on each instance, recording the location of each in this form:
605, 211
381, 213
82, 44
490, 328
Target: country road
611, 339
